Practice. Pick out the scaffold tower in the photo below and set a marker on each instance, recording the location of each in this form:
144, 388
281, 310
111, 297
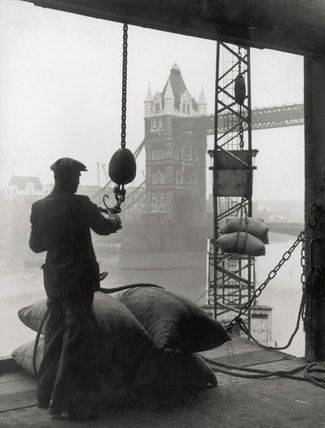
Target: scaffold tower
231, 277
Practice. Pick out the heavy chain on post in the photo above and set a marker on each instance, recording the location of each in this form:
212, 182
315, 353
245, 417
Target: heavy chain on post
286, 256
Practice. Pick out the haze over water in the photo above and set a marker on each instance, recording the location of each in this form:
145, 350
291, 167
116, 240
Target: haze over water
21, 287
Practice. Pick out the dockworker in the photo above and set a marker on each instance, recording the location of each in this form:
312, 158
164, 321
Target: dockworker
60, 225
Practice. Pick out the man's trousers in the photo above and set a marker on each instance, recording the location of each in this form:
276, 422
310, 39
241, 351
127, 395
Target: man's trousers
70, 349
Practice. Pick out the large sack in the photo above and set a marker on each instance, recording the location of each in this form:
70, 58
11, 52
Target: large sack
241, 243
157, 375
177, 371
23, 355
115, 382
123, 339
253, 226
174, 322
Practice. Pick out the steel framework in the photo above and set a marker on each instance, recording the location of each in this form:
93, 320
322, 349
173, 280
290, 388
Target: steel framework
261, 118
231, 277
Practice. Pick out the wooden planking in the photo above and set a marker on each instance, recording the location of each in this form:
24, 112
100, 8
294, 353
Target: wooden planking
17, 400
254, 358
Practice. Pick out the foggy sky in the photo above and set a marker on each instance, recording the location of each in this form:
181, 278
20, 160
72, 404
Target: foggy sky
60, 94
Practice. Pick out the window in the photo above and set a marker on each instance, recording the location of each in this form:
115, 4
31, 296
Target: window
178, 176
154, 203
162, 204
186, 152
194, 153
169, 151
187, 174
162, 176
194, 177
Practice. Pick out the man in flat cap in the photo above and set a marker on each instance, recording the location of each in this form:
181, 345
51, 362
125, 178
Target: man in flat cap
60, 225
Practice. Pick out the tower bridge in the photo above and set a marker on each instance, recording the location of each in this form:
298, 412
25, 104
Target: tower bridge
262, 118
176, 130
175, 142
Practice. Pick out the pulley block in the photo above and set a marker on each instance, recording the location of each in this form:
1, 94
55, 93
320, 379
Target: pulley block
240, 89
122, 167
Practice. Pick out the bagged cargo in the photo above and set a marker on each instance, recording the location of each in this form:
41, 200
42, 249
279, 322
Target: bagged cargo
155, 375
115, 381
253, 226
122, 337
241, 243
174, 323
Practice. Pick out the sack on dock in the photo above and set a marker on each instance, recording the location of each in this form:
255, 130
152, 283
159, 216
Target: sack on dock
241, 243
115, 382
173, 322
253, 226
23, 355
123, 339
158, 375
177, 371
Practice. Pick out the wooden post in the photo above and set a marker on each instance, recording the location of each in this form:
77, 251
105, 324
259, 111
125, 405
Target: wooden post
315, 194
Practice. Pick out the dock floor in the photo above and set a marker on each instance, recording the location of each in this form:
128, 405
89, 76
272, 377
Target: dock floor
235, 402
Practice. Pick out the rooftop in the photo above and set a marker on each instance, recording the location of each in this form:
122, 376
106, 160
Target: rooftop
22, 181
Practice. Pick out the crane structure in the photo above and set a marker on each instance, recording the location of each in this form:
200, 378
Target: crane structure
231, 276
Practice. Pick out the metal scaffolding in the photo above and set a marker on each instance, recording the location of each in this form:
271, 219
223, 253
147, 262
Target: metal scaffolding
231, 277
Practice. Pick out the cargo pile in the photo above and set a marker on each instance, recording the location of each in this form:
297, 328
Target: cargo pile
147, 339
244, 235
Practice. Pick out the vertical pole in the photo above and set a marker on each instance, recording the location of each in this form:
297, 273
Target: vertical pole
249, 134
314, 69
215, 199
98, 176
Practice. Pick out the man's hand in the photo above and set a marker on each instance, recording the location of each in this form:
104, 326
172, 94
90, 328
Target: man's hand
115, 221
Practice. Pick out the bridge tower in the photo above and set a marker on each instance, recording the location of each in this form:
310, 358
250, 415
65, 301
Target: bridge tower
175, 159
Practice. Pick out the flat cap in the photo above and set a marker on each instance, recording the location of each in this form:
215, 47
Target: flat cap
67, 166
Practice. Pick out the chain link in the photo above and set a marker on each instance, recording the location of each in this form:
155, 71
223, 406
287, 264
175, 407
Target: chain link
241, 128
270, 276
124, 84
119, 190
303, 264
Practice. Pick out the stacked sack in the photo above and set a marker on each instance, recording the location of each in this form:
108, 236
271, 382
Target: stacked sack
244, 236
148, 339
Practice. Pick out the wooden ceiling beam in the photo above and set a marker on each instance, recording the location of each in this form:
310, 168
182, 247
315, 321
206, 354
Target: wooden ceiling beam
295, 26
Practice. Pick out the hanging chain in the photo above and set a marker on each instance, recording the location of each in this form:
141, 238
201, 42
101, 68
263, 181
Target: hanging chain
239, 63
241, 129
119, 190
286, 256
124, 84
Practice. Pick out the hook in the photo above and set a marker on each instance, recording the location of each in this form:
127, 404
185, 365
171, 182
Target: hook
314, 208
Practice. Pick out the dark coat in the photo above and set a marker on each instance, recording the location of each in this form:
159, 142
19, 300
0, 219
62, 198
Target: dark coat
61, 225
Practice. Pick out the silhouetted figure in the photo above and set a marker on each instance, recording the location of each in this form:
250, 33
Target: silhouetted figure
61, 224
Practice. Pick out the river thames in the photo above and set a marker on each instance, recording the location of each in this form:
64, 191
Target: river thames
21, 286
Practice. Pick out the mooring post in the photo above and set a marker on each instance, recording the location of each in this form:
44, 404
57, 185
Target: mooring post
314, 70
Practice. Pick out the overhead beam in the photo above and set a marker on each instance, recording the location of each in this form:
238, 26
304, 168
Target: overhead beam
295, 26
